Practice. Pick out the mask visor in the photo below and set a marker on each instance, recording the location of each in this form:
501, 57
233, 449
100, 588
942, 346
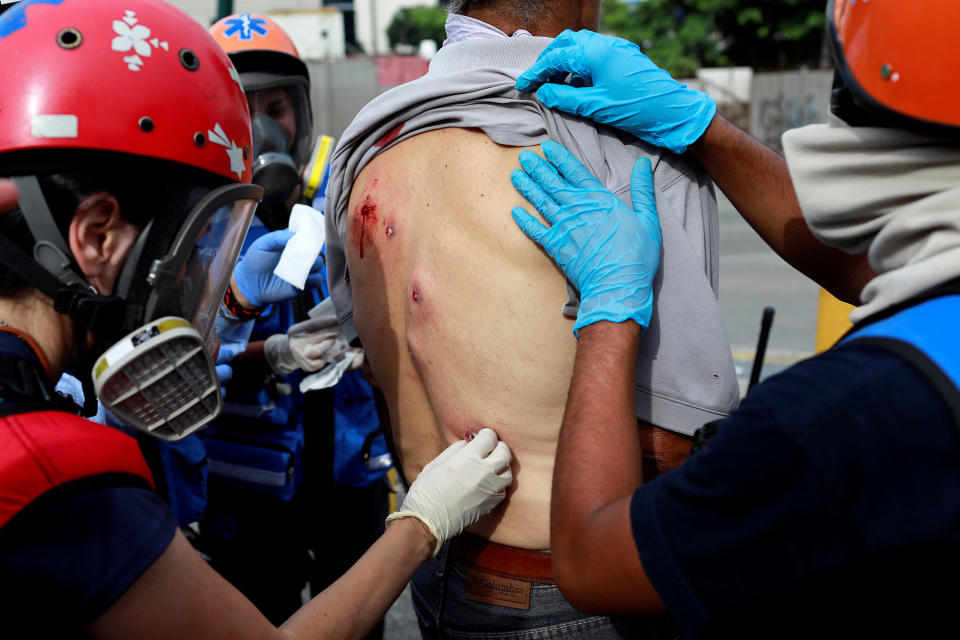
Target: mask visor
160, 379
286, 102
189, 282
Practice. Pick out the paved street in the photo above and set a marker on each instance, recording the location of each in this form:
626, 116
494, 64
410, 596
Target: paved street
751, 278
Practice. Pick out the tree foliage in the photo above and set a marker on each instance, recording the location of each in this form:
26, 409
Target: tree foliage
411, 25
684, 35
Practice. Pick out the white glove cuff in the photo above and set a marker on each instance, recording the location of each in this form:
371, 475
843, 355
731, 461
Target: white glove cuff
396, 515
276, 350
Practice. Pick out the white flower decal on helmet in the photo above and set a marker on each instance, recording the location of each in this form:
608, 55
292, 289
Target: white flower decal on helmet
131, 35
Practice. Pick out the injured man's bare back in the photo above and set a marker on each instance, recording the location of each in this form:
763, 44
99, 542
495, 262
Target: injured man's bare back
459, 314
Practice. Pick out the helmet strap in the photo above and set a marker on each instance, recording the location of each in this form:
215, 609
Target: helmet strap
88, 309
50, 250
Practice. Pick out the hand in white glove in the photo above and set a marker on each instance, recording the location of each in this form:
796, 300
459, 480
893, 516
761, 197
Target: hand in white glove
458, 487
309, 345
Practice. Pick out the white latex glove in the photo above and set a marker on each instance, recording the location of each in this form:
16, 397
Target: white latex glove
458, 487
309, 345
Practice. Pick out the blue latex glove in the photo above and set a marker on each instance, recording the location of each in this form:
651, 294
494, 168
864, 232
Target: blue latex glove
625, 89
254, 271
224, 370
608, 250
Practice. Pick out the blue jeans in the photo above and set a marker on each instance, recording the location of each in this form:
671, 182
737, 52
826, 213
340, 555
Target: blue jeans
443, 611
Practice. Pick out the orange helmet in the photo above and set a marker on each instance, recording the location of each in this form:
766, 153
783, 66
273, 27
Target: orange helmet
277, 86
891, 56
257, 43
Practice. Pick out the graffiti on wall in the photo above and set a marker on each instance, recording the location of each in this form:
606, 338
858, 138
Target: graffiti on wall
783, 101
784, 112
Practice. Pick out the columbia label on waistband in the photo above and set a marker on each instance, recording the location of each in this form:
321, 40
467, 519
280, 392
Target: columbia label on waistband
491, 589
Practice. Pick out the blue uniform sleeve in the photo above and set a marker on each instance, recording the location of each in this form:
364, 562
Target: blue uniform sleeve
76, 551
235, 334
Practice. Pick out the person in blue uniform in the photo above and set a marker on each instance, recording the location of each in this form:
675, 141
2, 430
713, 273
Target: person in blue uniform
825, 505
128, 214
275, 451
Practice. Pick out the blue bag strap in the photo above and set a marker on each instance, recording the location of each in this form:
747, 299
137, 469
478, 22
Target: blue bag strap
926, 336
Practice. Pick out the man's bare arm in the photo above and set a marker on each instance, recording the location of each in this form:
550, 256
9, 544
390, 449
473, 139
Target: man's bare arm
756, 180
180, 596
594, 558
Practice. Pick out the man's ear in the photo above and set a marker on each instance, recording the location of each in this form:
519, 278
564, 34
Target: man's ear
100, 239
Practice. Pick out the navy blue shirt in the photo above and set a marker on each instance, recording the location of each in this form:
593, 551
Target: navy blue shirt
827, 504
68, 556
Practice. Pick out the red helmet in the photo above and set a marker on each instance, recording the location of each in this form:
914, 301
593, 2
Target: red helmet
101, 75
891, 56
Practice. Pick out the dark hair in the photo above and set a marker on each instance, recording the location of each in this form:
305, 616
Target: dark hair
145, 188
525, 12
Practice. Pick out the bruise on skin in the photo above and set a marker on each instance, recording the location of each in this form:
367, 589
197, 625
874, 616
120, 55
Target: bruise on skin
390, 137
364, 219
421, 321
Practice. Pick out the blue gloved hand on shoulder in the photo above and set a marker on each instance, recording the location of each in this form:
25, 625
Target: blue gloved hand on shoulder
608, 250
624, 89
254, 272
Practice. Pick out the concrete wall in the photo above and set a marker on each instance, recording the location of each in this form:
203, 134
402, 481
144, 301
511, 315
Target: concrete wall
767, 104
338, 90
204, 11
786, 100
318, 33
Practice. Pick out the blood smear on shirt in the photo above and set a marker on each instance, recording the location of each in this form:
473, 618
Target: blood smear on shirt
390, 137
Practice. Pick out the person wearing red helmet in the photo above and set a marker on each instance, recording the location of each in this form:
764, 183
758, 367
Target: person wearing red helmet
825, 505
130, 213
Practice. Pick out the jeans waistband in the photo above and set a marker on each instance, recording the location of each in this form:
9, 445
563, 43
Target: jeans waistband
500, 560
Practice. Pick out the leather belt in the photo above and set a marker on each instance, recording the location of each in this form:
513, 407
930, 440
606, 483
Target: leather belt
500, 560
661, 450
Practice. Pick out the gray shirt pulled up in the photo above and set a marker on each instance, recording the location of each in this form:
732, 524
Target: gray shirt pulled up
685, 375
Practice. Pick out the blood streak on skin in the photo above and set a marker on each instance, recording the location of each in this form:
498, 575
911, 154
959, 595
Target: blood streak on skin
363, 216
390, 137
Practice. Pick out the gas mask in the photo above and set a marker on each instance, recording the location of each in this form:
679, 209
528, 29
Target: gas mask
281, 124
154, 340
274, 168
